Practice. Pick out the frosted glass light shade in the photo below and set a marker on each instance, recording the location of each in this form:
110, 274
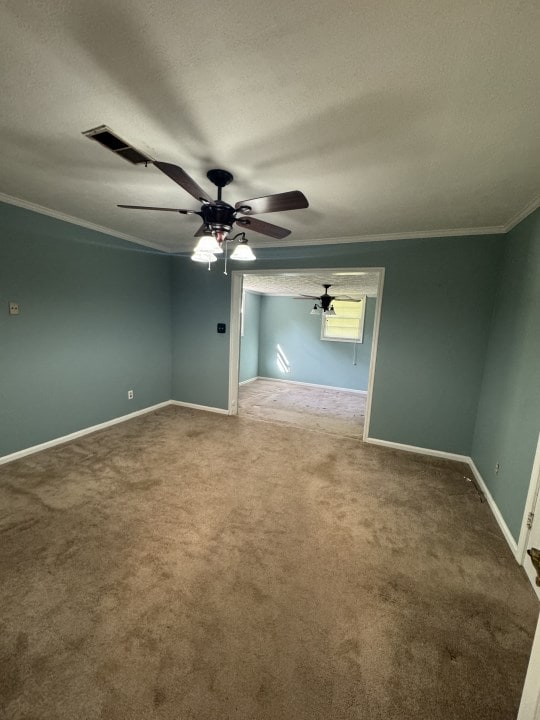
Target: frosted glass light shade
203, 257
208, 244
330, 311
315, 311
243, 252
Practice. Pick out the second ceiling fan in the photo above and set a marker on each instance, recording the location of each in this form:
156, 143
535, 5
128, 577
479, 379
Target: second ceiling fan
326, 300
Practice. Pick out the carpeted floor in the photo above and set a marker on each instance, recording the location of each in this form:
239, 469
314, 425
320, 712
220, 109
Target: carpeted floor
335, 411
192, 566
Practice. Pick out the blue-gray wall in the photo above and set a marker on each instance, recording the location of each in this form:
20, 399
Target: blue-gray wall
94, 321
436, 310
200, 300
508, 419
249, 342
100, 316
287, 322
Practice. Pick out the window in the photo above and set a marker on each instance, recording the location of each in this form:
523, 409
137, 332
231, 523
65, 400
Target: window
347, 325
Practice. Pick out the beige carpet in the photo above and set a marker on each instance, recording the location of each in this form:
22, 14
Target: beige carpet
334, 411
192, 566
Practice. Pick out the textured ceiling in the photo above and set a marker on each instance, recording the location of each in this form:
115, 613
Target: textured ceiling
311, 283
393, 116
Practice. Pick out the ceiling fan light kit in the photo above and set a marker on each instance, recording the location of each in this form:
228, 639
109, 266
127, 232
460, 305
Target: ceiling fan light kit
318, 309
203, 257
208, 244
243, 252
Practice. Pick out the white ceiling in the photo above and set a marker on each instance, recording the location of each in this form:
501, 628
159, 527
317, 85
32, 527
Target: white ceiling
343, 283
392, 116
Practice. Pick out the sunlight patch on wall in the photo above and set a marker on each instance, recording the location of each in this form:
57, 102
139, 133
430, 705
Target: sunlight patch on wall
281, 359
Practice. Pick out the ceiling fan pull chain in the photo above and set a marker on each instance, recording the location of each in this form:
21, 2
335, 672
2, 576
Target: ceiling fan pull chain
225, 242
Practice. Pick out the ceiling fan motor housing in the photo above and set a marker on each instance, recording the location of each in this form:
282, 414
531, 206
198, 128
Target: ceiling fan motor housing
219, 216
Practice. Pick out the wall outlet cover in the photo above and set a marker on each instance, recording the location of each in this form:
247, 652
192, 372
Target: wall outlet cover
13, 308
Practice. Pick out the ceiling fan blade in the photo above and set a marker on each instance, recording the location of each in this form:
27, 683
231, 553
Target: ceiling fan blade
347, 298
306, 297
184, 180
201, 231
294, 200
147, 207
263, 227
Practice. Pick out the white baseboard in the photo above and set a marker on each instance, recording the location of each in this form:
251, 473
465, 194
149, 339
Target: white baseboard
374, 441
419, 450
479, 479
79, 433
495, 510
193, 406
101, 426
306, 384
246, 382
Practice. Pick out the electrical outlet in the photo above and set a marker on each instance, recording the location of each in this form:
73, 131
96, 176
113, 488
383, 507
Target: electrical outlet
13, 308
497, 468
130, 394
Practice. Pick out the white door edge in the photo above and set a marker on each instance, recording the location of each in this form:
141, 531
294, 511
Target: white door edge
529, 708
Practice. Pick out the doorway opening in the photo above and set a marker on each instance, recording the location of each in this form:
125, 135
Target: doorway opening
297, 362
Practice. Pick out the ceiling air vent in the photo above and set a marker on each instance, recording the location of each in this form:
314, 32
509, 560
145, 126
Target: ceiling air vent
106, 137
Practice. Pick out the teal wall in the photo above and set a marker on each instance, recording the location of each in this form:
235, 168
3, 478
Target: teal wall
436, 310
200, 300
287, 322
508, 419
94, 321
457, 369
249, 342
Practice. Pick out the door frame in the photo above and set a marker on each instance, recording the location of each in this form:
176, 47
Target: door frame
237, 277
532, 496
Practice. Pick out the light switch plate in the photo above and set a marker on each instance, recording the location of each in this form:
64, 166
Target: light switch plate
13, 308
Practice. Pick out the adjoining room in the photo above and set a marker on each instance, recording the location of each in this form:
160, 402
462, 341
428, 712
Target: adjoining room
306, 347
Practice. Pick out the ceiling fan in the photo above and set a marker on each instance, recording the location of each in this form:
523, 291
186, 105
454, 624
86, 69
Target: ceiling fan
326, 300
219, 216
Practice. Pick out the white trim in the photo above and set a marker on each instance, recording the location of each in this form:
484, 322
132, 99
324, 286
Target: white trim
246, 382
527, 210
494, 509
315, 385
415, 234
479, 479
42, 210
383, 237
80, 433
534, 489
194, 406
374, 348
529, 708
418, 450
236, 293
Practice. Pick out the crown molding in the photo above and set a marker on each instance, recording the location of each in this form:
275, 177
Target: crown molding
349, 239
419, 235
414, 235
527, 210
42, 210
